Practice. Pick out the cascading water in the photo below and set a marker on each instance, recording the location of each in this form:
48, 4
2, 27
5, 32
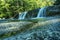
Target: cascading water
22, 16
48, 26
42, 12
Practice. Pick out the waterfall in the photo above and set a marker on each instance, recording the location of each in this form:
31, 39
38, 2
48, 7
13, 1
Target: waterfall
22, 15
42, 12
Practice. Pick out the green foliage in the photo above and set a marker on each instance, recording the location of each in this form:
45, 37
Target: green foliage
33, 4
9, 8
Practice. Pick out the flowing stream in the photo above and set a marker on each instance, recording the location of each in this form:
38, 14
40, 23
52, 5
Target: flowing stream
41, 30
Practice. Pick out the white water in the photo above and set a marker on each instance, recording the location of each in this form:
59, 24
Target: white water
42, 12
22, 15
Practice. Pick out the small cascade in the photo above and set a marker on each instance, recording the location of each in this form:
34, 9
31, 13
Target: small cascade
22, 15
42, 12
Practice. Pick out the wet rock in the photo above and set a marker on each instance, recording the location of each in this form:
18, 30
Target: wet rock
12, 26
49, 31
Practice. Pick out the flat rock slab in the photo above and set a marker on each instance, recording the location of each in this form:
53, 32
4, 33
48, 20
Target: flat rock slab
12, 26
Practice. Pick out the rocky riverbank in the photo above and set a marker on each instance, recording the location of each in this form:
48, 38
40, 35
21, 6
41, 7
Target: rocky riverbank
48, 30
